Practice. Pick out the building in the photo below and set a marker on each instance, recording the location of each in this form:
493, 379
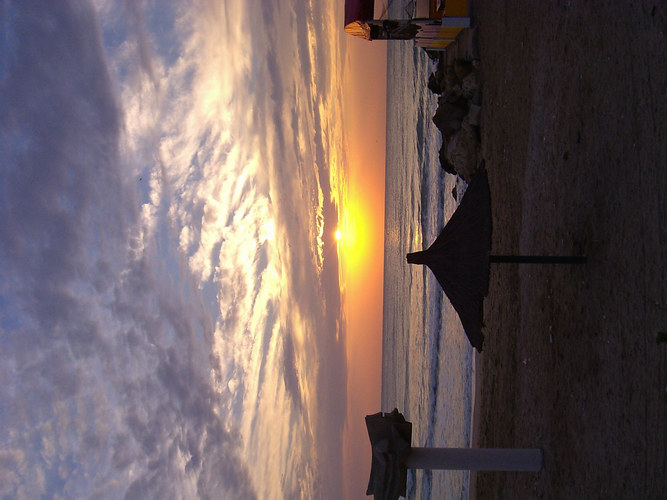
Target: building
436, 23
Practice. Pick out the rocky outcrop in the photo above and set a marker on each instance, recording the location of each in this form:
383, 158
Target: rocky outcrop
457, 116
449, 116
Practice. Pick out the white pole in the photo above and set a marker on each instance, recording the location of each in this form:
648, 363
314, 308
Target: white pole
488, 459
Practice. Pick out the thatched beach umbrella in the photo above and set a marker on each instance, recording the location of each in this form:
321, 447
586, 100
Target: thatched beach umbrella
391, 438
459, 257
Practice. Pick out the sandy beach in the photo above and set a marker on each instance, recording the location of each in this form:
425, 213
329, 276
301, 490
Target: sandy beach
573, 128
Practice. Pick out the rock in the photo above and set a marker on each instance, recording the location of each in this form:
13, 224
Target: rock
457, 152
463, 151
439, 81
450, 114
434, 55
469, 86
457, 116
434, 83
444, 162
462, 68
474, 113
450, 82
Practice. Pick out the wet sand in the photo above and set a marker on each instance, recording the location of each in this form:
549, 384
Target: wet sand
573, 126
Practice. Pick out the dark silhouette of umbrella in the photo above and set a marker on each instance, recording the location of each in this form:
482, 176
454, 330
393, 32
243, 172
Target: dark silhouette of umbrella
391, 443
391, 439
459, 257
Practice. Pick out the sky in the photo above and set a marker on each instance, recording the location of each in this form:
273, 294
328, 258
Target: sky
177, 316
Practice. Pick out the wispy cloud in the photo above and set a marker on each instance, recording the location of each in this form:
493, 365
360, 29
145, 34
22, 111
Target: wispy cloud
106, 367
169, 299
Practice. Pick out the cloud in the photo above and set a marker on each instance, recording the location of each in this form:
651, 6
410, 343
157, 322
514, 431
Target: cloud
169, 299
106, 364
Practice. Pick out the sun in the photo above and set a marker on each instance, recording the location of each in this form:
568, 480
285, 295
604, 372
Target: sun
351, 236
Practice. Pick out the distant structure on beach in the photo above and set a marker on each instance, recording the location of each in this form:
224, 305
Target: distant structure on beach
436, 23
392, 455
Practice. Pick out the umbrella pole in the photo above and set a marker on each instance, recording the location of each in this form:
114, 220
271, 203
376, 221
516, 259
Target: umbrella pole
537, 259
486, 459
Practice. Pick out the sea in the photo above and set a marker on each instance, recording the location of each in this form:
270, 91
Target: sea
427, 361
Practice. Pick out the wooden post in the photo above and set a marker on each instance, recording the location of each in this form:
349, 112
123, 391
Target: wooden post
487, 459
